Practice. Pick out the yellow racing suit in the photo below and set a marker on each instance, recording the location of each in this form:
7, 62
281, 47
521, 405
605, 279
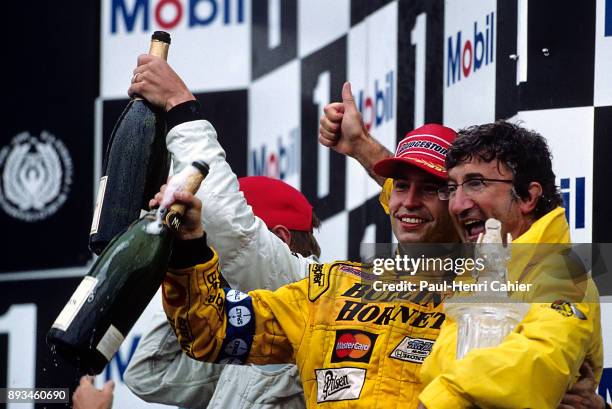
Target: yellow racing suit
538, 362
358, 347
354, 347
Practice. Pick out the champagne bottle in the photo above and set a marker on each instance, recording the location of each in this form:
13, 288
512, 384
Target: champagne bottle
119, 286
135, 166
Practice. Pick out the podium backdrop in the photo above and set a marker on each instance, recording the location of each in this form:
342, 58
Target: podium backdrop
263, 70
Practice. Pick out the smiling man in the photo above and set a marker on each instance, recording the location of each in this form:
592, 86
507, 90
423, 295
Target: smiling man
504, 171
416, 213
334, 311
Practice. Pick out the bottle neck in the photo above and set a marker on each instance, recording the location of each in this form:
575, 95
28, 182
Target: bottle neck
159, 49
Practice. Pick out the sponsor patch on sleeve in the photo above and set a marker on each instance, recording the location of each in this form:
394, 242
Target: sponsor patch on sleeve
358, 272
567, 309
412, 350
318, 280
240, 328
337, 384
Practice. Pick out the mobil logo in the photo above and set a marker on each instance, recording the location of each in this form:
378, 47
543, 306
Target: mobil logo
468, 53
277, 160
574, 195
377, 109
145, 15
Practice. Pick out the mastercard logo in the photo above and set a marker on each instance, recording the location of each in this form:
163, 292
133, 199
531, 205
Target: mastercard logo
353, 346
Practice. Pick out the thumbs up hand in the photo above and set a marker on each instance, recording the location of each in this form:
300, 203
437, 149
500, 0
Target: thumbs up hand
342, 130
341, 126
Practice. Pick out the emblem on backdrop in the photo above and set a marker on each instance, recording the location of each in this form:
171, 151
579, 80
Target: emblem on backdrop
36, 175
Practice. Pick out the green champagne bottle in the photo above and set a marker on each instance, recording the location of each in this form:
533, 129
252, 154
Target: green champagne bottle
119, 286
135, 166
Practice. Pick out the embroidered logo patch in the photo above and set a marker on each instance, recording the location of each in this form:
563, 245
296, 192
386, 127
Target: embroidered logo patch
351, 345
239, 316
412, 350
234, 296
240, 328
567, 309
339, 384
318, 280
236, 347
317, 275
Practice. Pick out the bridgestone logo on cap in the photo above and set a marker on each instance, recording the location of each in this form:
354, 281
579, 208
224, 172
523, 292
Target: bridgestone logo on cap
421, 145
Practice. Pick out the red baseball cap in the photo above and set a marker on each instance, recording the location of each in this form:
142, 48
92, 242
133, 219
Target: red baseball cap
275, 202
425, 147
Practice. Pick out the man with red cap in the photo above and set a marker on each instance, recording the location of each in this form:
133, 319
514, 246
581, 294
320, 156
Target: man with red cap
424, 148
284, 210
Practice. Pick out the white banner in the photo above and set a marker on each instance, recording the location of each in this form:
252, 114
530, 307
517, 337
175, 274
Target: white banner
603, 54
210, 41
274, 125
470, 31
320, 22
569, 133
372, 71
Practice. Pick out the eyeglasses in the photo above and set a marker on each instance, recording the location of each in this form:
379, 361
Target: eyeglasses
470, 187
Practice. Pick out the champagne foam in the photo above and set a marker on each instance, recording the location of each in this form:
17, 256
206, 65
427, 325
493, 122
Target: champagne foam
155, 226
176, 183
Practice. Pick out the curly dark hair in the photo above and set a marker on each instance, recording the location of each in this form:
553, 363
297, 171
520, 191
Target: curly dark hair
524, 151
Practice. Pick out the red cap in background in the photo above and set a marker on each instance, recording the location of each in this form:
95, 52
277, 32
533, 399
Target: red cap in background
276, 202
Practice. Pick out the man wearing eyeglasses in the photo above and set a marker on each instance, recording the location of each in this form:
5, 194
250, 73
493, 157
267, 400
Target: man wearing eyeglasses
354, 346
504, 171
332, 324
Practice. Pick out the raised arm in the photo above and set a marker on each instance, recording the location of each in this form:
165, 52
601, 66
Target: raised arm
342, 129
250, 255
220, 325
